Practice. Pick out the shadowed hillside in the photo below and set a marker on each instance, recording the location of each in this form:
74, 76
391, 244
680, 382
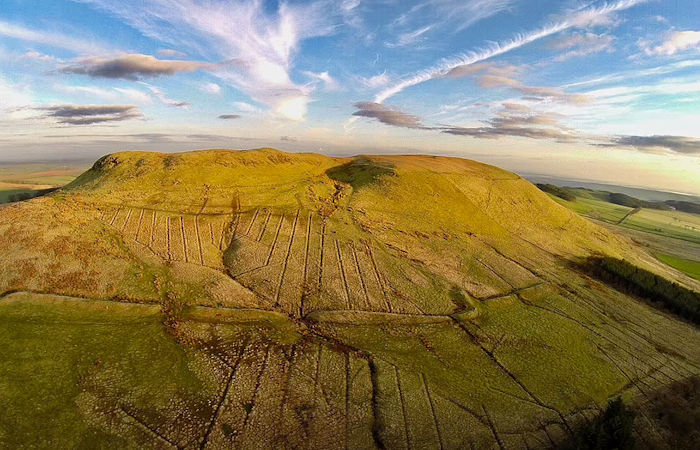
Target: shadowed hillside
306, 301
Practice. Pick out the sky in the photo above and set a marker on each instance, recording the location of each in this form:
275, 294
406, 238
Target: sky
606, 91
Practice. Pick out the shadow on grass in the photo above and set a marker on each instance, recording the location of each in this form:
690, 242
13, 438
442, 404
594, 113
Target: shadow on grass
360, 172
655, 289
20, 195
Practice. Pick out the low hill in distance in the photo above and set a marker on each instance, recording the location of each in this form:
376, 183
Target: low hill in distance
649, 195
262, 299
617, 198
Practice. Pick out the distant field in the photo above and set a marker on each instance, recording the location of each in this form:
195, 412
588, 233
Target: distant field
675, 224
687, 266
26, 179
672, 236
596, 209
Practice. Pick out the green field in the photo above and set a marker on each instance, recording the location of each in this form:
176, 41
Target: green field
687, 266
261, 299
27, 179
673, 236
675, 224
596, 209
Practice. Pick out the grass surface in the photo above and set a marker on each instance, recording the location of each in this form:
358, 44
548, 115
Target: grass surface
687, 266
52, 347
596, 209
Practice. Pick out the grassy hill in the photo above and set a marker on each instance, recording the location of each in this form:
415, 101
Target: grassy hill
265, 299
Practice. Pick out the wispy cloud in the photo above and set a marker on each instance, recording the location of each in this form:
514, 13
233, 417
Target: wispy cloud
263, 41
457, 14
13, 95
171, 53
581, 44
674, 42
55, 40
329, 83
410, 38
491, 75
375, 81
676, 144
210, 88
160, 95
578, 19
112, 94
131, 67
229, 116
627, 76
246, 107
517, 120
38, 57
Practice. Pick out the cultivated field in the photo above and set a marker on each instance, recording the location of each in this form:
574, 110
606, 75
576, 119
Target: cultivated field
672, 236
268, 300
26, 180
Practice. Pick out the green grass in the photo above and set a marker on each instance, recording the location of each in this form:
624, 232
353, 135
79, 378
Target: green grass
53, 349
595, 208
687, 266
675, 224
671, 235
7, 194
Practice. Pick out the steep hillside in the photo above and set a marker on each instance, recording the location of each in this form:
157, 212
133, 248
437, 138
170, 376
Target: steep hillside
397, 302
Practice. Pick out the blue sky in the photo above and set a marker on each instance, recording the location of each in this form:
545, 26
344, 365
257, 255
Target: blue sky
598, 90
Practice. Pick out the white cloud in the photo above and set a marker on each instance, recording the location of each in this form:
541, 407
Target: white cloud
37, 56
55, 40
329, 83
374, 82
160, 95
15, 101
259, 44
409, 38
246, 107
211, 88
578, 19
13, 95
113, 94
675, 42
